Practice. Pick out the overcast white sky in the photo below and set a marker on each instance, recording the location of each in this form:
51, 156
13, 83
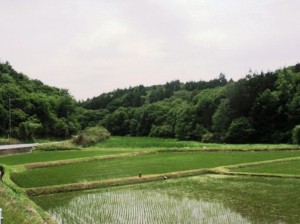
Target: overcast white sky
96, 46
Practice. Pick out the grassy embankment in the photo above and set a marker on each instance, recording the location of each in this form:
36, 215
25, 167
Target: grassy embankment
18, 208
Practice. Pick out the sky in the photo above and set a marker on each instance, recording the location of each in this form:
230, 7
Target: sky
94, 46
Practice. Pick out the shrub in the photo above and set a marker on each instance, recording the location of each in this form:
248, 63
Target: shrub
240, 131
296, 135
208, 137
163, 131
9, 141
91, 135
28, 129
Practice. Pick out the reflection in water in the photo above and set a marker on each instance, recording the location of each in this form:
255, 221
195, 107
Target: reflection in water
142, 206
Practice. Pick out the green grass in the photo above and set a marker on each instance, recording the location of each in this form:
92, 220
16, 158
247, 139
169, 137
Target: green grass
16, 209
259, 200
44, 156
146, 143
292, 168
147, 164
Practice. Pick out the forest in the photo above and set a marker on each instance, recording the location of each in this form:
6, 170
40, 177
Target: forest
29, 109
259, 108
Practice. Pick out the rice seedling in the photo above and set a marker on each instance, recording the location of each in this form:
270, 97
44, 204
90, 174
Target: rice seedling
292, 167
150, 143
158, 163
45, 156
142, 206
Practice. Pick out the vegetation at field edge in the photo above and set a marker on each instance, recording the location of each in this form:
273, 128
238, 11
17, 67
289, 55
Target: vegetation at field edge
148, 143
17, 208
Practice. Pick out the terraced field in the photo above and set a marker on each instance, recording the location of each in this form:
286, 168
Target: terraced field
158, 163
240, 185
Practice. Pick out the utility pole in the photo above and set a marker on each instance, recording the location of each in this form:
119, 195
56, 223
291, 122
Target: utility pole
9, 114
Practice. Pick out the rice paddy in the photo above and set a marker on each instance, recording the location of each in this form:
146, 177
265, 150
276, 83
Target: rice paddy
46, 156
292, 167
205, 198
147, 143
256, 200
158, 163
142, 206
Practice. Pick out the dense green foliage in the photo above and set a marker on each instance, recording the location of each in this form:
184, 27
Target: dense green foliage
296, 135
36, 110
258, 108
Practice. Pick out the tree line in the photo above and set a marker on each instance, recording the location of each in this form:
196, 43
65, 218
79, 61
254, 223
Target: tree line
259, 108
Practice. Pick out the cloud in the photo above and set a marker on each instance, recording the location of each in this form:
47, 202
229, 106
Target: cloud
96, 46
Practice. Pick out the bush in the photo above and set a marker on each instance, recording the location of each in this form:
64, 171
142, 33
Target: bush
9, 141
91, 135
163, 131
28, 129
208, 137
296, 135
240, 131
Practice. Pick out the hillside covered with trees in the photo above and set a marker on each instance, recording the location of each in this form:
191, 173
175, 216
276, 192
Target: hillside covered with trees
29, 109
260, 108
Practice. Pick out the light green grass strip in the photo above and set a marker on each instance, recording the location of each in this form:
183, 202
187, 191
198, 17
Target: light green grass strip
263, 175
81, 160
